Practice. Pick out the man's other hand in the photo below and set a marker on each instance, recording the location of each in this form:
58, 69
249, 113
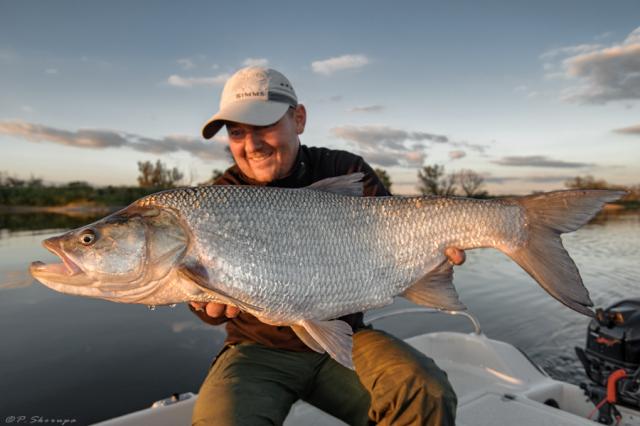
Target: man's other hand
455, 256
216, 310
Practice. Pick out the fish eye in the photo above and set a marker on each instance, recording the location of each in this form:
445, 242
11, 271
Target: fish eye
87, 237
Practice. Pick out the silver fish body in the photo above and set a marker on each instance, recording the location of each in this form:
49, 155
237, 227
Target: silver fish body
302, 257
319, 255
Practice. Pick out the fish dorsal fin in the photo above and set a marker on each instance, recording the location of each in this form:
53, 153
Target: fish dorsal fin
198, 275
344, 185
436, 290
332, 336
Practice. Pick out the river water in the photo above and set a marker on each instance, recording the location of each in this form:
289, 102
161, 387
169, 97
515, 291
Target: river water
65, 357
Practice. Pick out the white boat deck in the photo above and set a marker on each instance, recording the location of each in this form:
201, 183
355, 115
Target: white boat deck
496, 385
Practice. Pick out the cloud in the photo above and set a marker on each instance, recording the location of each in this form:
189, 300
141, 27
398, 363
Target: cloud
633, 130
602, 73
526, 91
369, 135
538, 161
570, 50
255, 62
339, 63
102, 139
367, 108
186, 63
457, 154
51, 71
27, 108
386, 146
534, 178
178, 81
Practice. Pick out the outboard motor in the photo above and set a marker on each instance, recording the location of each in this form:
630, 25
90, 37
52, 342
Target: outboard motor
611, 359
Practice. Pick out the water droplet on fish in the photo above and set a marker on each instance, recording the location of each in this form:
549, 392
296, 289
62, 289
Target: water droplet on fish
173, 305
151, 307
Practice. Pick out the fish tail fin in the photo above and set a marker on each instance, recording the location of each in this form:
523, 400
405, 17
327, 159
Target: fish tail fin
543, 256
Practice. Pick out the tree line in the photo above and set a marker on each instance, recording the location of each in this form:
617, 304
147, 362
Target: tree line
153, 177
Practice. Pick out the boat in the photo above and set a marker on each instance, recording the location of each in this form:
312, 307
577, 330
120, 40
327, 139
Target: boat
496, 384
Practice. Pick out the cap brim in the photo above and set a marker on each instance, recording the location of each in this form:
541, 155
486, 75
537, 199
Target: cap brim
254, 113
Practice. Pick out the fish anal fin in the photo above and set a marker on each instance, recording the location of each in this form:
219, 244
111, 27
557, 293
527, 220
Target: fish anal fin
350, 184
333, 336
306, 338
435, 289
198, 275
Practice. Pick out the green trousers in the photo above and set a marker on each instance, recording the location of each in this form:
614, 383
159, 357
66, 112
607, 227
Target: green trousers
393, 384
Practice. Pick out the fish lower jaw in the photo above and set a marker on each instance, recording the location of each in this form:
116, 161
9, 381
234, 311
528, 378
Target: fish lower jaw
64, 269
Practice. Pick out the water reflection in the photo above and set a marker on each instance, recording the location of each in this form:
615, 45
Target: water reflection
42, 220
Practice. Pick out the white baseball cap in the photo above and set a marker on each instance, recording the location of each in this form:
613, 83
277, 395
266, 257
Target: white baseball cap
254, 95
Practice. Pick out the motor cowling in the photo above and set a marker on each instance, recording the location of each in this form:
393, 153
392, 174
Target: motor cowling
613, 346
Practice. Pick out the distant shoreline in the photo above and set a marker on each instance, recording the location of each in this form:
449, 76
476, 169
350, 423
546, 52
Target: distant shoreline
71, 209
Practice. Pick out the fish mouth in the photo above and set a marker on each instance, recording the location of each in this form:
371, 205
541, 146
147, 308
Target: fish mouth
67, 268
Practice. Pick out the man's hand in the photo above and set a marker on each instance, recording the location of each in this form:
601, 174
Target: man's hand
455, 256
216, 310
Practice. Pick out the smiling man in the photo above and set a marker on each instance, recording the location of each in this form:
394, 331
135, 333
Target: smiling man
264, 369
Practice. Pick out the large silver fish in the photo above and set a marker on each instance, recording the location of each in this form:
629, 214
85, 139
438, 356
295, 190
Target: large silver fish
301, 257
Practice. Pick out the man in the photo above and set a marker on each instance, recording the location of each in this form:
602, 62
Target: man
264, 369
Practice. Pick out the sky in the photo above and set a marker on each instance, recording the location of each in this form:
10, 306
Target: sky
527, 94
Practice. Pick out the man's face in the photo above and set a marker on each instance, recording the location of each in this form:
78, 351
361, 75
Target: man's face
267, 153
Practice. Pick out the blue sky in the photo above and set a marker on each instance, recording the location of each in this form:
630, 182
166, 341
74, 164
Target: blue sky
525, 93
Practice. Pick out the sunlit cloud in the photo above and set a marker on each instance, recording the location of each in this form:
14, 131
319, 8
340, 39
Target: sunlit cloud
178, 81
375, 134
534, 179
538, 161
386, 146
102, 139
255, 62
367, 108
633, 130
570, 51
602, 73
339, 63
457, 154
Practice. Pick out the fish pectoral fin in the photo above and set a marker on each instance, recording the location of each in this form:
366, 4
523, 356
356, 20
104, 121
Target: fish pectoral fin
306, 338
333, 336
198, 275
350, 184
436, 290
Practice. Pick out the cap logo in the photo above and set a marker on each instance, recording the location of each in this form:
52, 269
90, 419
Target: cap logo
243, 95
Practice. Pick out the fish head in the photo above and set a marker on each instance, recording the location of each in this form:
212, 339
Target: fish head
122, 257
